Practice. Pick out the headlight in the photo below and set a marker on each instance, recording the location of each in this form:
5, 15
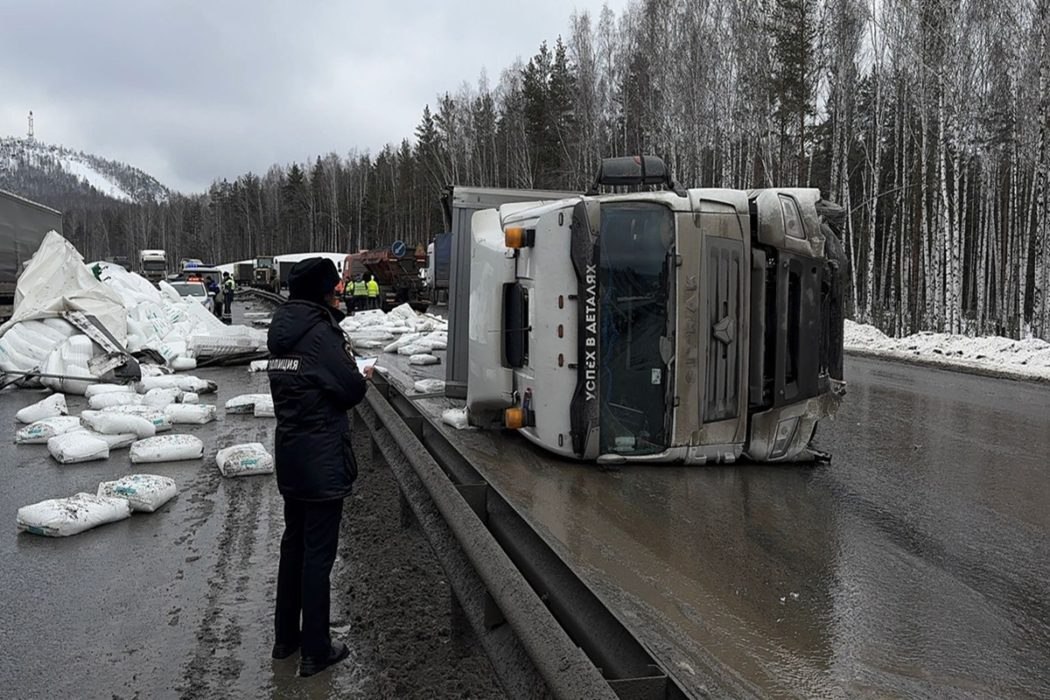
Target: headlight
784, 437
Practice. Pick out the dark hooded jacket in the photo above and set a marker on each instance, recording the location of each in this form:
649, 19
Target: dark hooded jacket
314, 382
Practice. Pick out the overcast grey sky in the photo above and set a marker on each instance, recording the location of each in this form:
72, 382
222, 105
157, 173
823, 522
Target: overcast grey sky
194, 91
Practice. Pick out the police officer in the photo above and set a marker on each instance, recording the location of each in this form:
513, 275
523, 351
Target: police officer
216, 296
228, 287
373, 291
314, 381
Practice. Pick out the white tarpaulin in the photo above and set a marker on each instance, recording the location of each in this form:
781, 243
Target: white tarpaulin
135, 312
56, 280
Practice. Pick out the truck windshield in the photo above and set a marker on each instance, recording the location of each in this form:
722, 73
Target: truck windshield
633, 276
154, 265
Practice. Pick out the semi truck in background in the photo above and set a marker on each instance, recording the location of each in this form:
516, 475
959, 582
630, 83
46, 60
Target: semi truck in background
397, 271
153, 265
439, 260
23, 225
661, 325
244, 273
284, 268
265, 274
121, 260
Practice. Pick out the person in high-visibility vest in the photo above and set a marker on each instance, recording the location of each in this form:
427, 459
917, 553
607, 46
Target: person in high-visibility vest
360, 295
373, 291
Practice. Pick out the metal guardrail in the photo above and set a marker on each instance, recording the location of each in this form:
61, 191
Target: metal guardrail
266, 295
544, 631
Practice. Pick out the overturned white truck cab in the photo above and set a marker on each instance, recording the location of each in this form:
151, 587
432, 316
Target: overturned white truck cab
689, 326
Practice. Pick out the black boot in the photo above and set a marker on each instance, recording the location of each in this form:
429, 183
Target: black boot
309, 665
283, 651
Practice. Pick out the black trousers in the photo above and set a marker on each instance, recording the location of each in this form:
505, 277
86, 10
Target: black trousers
308, 548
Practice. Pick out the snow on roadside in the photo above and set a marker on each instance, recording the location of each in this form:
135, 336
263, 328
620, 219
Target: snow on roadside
1023, 358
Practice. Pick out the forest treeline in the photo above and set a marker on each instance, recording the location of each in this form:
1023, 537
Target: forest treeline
926, 119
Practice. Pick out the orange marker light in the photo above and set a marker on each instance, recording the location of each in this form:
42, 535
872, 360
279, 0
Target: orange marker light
514, 237
514, 418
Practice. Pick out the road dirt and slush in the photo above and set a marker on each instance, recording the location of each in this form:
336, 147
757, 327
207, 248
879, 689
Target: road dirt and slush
177, 603
915, 565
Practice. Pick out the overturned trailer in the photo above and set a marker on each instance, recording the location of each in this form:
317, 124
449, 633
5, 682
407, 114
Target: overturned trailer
688, 326
23, 224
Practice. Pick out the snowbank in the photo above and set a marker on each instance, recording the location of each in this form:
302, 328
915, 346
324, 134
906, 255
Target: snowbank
1029, 358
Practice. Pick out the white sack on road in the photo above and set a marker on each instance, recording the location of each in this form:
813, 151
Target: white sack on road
96, 389
41, 431
113, 423
198, 414
79, 446
52, 406
423, 359
429, 386
167, 448
244, 460
183, 382
113, 398
264, 408
61, 517
161, 398
456, 417
191, 397
245, 403
183, 364
145, 493
116, 442
157, 418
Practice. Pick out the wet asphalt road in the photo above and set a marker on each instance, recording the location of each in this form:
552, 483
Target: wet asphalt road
146, 606
917, 564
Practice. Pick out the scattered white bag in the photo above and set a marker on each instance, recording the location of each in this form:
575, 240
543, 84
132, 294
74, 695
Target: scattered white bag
41, 431
114, 423
401, 342
60, 517
96, 389
145, 493
244, 460
413, 349
167, 448
404, 312
423, 359
157, 418
115, 442
245, 403
456, 417
113, 398
194, 414
264, 408
258, 365
184, 382
430, 386
78, 446
183, 364
161, 398
191, 397
52, 406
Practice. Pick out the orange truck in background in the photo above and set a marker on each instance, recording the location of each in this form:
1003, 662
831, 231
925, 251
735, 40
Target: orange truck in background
396, 269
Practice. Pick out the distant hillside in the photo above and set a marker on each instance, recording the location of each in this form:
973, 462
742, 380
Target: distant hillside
64, 178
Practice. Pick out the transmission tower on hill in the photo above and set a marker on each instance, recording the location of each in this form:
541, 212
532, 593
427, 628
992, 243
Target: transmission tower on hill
29, 135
